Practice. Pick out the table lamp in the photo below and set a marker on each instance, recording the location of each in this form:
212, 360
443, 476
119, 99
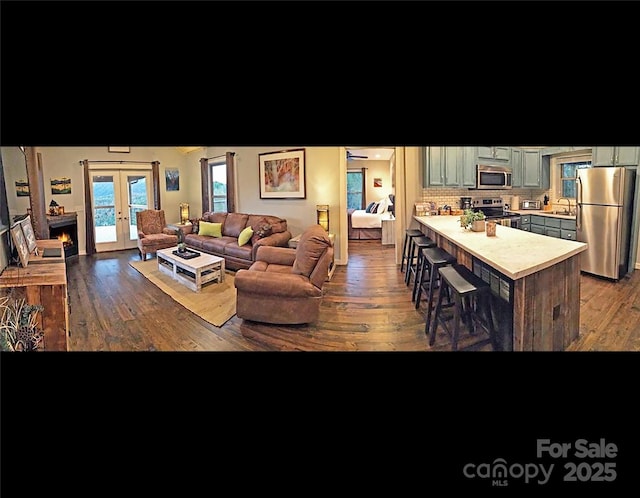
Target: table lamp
184, 212
322, 211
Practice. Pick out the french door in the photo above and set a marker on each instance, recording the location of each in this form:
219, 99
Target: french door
116, 197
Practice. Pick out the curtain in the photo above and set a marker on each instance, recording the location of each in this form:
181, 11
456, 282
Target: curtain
204, 180
231, 184
364, 189
90, 241
155, 171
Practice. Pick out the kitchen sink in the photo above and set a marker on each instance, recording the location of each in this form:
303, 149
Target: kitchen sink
562, 213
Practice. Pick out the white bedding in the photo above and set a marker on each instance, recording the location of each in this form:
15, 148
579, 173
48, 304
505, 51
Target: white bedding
361, 219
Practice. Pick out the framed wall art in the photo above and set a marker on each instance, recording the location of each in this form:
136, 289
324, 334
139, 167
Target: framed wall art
60, 185
172, 177
282, 174
29, 235
22, 187
20, 243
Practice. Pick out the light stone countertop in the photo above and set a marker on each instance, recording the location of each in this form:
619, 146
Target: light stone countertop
514, 252
540, 212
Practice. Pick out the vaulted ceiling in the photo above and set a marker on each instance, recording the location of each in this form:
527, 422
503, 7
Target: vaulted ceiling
186, 150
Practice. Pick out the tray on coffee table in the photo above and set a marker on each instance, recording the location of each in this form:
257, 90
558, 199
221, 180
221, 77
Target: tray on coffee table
187, 254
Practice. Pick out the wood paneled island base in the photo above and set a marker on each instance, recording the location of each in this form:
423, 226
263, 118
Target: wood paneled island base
535, 280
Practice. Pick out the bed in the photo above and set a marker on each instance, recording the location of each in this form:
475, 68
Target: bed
364, 225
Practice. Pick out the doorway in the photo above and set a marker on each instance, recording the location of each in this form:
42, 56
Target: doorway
116, 197
370, 175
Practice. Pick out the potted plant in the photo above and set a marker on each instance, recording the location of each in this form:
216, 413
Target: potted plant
19, 329
182, 247
473, 219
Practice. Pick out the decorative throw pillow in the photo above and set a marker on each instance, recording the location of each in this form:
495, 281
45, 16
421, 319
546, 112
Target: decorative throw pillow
369, 207
210, 229
374, 209
383, 204
261, 230
195, 222
245, 236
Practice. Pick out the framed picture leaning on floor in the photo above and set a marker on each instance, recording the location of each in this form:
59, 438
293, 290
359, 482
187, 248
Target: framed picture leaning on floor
29, 235
20, 243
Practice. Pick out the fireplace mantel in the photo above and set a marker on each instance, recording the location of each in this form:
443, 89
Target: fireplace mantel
62, 219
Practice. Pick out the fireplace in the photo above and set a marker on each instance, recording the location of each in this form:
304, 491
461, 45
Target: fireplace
64, 227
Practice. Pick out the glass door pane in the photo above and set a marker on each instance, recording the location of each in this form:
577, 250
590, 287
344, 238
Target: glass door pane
117, 196
104, 202
138, 200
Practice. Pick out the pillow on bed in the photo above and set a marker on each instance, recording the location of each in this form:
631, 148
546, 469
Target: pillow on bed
382, 206
369, 207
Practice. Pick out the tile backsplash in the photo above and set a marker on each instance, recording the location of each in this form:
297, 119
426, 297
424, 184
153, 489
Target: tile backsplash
451, 196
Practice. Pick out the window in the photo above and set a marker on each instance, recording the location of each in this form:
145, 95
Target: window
218, 186
567, 168
355, 189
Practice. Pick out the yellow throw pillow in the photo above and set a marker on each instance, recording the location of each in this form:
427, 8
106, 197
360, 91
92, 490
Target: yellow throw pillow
211, 229
245, 236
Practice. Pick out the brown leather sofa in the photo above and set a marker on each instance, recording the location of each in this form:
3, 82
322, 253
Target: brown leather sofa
238, 257
284, 286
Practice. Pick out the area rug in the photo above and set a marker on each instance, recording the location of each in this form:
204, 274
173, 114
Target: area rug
215, 303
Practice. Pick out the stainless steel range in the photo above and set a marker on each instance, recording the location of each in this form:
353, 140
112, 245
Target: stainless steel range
494, 209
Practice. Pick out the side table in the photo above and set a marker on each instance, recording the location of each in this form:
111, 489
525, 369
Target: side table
388, 231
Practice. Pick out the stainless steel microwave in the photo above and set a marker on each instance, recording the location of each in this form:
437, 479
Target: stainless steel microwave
491, 177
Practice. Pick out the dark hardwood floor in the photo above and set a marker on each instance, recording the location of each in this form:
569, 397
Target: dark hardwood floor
366, 307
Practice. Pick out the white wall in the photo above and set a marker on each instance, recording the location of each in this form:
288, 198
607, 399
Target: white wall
374, 169
322, 175
65, 162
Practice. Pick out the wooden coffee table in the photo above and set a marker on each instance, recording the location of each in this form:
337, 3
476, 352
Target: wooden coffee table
194, 272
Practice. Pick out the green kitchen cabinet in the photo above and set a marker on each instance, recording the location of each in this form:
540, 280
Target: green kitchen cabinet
614, 156
444, 166
516, 167
468, 170
495, 154
568, 229
551, 226
535, 170
537, 224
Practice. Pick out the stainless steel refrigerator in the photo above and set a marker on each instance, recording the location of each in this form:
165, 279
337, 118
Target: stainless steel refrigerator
603, 219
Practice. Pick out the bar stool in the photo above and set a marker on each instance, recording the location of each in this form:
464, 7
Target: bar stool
433, 258
471, 298
422, 271
416, 243
408, 237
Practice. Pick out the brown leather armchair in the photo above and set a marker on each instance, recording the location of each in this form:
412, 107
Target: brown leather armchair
153, 233
283, 285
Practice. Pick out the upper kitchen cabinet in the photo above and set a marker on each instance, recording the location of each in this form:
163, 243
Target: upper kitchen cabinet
529, 168
561, 149
516, 167
535, 172
443, 166
450, 166
614, 156
498, 154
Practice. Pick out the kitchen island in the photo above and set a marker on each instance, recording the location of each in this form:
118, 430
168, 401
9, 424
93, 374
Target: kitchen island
535, 280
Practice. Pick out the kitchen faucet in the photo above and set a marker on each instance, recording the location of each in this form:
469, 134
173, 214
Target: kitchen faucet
568, 204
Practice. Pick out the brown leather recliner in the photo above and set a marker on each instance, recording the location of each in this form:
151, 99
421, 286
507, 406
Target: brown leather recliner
283, 285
